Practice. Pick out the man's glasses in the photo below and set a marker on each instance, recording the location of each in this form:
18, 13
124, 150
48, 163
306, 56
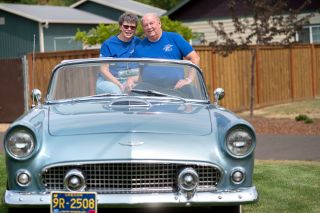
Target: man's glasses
128, 26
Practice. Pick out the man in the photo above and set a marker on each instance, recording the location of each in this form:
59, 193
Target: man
162, 44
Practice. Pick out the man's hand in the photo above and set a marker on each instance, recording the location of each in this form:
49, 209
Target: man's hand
182, 83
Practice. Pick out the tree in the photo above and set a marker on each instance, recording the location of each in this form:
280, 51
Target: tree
270, 22
102, 32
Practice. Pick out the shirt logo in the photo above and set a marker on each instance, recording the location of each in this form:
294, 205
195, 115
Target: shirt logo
168, 48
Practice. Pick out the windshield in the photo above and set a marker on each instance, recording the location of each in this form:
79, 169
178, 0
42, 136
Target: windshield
149, 78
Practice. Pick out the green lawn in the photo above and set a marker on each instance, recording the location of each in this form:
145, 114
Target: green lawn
286, 186
283, 186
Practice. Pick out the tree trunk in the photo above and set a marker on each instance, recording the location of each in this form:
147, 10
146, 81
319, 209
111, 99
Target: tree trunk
253, 63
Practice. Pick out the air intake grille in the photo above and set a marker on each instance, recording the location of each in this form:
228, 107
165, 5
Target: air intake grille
127, 178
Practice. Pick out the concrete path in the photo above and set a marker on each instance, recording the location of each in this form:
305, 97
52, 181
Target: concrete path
288, 147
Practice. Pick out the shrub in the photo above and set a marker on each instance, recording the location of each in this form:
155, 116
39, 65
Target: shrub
308, 121
304, 118
301, 117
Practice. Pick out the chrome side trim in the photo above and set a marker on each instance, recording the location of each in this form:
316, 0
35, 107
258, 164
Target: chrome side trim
219, 197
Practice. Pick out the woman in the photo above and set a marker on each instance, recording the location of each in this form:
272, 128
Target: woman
119, 46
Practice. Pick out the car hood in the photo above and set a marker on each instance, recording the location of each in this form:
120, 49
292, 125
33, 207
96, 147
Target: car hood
96, 118
133, 146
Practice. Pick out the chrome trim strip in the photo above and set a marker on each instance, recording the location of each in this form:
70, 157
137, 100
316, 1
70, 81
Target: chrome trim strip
220, 197
79, 163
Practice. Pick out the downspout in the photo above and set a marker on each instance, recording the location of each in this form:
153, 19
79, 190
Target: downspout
41, 34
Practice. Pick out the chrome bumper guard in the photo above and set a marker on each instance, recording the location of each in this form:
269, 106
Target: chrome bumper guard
239, 196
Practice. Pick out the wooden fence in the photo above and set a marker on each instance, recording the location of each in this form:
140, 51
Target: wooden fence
281, 74
11, 89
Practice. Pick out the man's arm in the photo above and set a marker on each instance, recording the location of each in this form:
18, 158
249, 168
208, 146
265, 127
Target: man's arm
194, 58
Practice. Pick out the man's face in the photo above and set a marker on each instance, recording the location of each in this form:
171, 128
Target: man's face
151, 27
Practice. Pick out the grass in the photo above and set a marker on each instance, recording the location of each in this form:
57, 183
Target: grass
286, 186
3, 179
310, 108
283, 186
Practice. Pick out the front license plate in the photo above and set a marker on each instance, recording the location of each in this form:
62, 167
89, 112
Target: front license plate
71, 202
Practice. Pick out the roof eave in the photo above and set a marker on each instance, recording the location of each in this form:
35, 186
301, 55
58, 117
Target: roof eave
77, 3
177, 7
19, 13
117, 7
75, 22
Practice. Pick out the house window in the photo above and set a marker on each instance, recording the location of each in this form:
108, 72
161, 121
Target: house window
198, 39
66, 43
316, 34
2, 21
309, 34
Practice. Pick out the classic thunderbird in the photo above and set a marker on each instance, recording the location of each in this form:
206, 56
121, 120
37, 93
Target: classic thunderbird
154, 144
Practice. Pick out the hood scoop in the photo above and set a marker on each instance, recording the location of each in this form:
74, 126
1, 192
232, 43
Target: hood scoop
129, 103
128, 115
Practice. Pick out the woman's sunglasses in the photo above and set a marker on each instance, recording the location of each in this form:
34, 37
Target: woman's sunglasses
128, 26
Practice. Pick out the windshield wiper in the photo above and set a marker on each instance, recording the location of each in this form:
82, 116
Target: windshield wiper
107, 95
85, 98
156, 93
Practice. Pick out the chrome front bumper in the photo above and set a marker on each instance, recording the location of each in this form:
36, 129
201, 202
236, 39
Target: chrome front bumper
239, 196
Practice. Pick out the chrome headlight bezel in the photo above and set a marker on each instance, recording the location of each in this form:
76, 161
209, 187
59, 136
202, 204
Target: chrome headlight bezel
240, 141
20, 143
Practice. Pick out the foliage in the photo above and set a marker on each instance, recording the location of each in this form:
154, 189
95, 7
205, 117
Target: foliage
164, 4
97, 34
268, 19
304, 118
102, 32
176, 26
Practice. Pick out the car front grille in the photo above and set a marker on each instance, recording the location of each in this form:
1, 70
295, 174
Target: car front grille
117, 178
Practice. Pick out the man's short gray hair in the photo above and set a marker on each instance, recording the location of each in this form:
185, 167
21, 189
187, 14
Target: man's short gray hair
154, 15
128, 17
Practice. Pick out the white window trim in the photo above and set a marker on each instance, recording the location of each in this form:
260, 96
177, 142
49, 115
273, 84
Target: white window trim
60, 38
2, 21
310, 27
310, 35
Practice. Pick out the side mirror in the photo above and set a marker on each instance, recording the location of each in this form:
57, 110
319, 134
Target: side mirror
36, 97
218, 95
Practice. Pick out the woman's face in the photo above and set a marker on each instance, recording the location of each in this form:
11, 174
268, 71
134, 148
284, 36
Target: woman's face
128, 30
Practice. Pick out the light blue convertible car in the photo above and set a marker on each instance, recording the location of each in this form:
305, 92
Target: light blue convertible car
153, 145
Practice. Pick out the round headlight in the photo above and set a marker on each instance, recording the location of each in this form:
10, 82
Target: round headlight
20, 144
240, 142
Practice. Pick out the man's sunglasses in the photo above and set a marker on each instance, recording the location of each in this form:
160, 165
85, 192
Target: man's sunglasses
128, 26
